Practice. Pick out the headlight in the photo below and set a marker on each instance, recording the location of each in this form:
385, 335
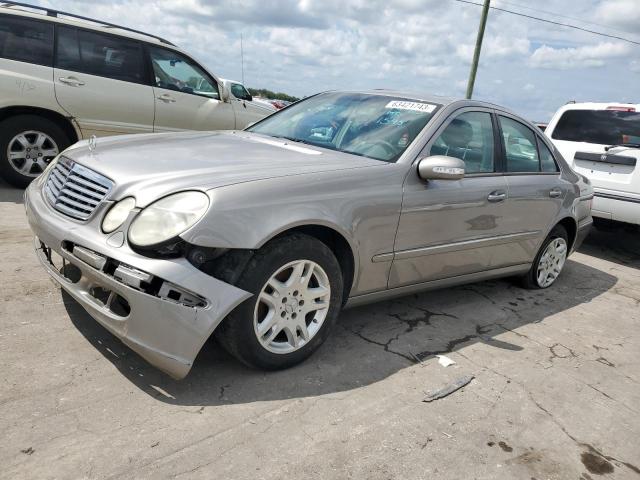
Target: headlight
167, 218
118, 214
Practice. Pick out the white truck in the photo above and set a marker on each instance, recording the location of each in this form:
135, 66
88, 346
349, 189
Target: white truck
602, 142
64, 77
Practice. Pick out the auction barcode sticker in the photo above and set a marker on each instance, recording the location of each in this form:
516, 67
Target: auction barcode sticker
416, 106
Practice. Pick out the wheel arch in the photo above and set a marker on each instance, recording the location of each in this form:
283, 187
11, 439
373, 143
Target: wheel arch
59, 119
571, 226
337, 243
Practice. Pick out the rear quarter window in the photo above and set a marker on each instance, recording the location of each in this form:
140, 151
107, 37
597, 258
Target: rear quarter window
26, 40
604, 127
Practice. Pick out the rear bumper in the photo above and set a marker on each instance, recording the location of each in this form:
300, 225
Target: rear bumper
611, 205
167, 333
584, 226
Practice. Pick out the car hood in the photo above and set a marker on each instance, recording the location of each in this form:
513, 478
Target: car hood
152, 165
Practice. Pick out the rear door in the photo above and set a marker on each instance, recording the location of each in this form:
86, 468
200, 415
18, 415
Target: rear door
186, 96
101, 80
449, 228
535, 187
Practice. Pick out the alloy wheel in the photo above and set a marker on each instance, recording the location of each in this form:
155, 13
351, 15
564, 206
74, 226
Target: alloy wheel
551, 262
292, 306
30, 152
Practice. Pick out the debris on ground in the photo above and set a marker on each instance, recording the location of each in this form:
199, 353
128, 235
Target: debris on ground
28, 451
448, 390
445, 361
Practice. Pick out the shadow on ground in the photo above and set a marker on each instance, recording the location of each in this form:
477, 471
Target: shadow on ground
621, 245
369, 343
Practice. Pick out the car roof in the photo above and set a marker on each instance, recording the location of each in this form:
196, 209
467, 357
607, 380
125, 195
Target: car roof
598, 105
64, 18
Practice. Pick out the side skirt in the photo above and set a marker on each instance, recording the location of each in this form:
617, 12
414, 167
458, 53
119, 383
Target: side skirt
435, 284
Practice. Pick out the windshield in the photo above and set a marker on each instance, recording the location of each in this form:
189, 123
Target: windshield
604, 127
374, 126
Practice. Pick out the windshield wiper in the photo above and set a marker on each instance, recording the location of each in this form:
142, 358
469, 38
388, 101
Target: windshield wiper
306, 142
630, 145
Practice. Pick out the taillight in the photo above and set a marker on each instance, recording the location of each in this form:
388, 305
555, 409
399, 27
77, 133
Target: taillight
622, 109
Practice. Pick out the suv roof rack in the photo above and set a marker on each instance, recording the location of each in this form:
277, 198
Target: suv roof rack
54, 13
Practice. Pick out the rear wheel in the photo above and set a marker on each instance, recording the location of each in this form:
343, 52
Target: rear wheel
27, 144
549, 261
297, 293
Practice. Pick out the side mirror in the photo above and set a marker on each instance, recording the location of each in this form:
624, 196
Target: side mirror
248, 97
440, 167
225, 93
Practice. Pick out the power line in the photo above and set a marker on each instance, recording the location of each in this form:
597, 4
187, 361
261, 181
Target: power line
548, 12
552, 22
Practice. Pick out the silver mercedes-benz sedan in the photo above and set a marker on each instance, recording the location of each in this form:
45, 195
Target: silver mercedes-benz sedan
261, 236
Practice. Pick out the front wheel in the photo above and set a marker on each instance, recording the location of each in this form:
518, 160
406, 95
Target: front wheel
297, 286
549, 261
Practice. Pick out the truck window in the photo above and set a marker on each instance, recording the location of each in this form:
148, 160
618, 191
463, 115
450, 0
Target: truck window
604, 127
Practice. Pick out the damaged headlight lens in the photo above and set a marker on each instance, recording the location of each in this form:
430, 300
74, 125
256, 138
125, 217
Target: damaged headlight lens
118, 214
167, 218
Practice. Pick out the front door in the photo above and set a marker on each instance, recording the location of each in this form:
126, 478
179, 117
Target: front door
100, 80
449, 228
186, 97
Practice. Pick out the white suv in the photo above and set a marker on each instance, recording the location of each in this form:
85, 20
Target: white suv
602, 142
64, 78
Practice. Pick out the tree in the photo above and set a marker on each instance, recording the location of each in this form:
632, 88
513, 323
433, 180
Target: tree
263, 92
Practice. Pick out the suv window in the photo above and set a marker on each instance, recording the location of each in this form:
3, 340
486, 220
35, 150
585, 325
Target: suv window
26, 40
173, 71
605, 127
468, 137
519, 146
102, 55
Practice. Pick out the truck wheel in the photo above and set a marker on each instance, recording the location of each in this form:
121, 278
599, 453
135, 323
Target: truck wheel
297, 294
27, 144
549, 261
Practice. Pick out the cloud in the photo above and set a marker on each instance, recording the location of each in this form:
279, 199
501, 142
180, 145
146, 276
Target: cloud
623, 14
580, 57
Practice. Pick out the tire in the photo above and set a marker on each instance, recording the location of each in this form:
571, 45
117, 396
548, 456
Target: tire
32, 126
239, 333
532, 279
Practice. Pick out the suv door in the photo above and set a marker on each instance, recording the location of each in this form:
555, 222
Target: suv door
246, 111
536, 188
187, 98
455, 227
101, 80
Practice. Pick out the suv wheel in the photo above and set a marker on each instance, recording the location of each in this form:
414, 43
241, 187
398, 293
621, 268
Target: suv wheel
549, 261
297, 293
27, 144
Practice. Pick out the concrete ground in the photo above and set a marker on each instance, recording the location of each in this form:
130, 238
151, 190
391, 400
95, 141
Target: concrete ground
556, 393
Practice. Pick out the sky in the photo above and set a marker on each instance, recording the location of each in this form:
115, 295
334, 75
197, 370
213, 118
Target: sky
303, 47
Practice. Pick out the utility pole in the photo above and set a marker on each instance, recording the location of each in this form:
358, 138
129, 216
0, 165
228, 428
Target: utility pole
242, 57
476, 53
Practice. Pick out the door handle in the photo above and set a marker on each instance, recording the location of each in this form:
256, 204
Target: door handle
74, 82
497, 196
166, 98
555, 192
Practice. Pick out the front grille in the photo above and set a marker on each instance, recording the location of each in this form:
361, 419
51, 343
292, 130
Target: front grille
75, 190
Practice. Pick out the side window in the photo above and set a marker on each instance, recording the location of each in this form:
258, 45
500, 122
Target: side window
26, 40
519, 146
102, 55
173, 71
547, 162
468, 137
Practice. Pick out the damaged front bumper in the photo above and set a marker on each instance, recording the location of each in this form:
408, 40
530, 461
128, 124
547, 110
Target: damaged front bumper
163, 309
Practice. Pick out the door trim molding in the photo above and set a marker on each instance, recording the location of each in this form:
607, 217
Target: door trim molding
465, 245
